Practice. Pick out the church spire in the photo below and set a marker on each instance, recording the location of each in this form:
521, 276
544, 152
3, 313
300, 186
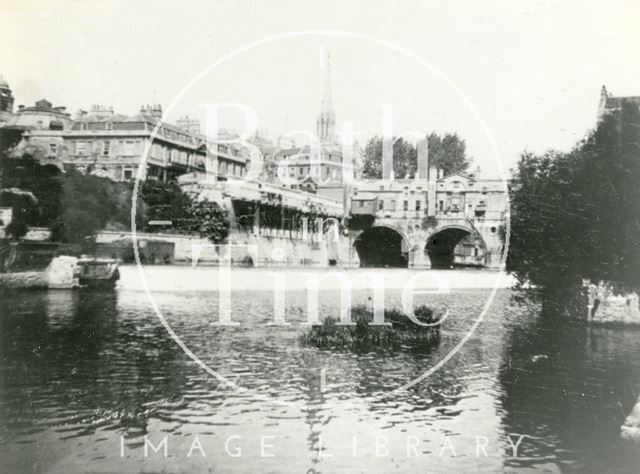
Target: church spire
326, 120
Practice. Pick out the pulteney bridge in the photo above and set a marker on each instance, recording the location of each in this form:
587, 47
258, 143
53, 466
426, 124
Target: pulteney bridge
438, 223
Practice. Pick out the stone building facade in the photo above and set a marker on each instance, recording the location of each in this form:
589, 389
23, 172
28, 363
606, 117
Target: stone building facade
610, 103
112, 145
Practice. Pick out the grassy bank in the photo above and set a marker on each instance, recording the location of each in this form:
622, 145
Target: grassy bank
363, 336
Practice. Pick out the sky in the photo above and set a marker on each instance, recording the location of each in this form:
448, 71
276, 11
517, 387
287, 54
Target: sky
506, 76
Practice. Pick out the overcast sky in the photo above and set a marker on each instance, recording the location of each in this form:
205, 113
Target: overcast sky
531, 70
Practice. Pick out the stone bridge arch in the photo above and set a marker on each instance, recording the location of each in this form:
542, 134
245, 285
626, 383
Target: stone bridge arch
443, 240
383, 245
419, 237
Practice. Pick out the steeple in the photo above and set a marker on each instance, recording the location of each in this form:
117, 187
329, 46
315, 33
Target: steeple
325, 123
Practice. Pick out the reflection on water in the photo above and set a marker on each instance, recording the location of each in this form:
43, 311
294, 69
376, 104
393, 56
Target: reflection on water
85, 376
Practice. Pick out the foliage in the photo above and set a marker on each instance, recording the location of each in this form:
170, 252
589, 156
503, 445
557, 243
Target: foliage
44, 181
25, 209
364, 337
577, 215
165, 202
447, 152
89, 204
209, 220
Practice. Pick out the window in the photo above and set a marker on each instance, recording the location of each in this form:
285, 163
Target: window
292, 172
108, 126
405, 206
417, 205
53, 148
381, 188
128, 174
81, 148
380, 205
392, 205
456, 185
105, 148
128, 148
301, 170
441, 207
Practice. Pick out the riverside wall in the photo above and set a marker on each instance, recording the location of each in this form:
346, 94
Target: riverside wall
267, 247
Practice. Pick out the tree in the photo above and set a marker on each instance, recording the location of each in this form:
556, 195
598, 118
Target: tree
209, 220
404, 158
44, 181
165, 202
90, 204
447, 152
24, 207
577, 215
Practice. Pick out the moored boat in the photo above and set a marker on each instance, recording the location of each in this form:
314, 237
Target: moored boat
97, 272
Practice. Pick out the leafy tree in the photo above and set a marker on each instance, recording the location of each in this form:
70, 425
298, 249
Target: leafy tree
25, 210
404, 158
165, 202
209, 220
44, 181
447, 152
92, 203
577, 215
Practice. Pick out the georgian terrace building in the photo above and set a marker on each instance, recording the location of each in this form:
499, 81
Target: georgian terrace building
112, 145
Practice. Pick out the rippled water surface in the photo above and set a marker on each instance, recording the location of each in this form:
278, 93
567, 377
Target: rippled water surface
85, 376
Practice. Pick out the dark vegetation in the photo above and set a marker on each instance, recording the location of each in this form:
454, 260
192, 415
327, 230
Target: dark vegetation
76, 205
363, 337
448, 152
576, 215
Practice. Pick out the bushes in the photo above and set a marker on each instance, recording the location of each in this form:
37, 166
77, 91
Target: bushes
363, 336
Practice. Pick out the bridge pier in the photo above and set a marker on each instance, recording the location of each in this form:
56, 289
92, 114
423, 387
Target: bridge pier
418, 258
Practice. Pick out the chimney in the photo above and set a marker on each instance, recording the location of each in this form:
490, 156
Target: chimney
153, 111
191, 126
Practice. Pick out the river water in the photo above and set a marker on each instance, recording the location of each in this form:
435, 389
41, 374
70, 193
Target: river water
87, 376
